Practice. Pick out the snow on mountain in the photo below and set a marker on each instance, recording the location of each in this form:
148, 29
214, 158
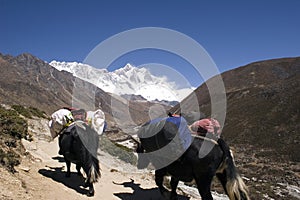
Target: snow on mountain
126, 80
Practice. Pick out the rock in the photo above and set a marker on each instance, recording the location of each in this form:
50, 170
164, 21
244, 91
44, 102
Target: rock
25, 169
114, 170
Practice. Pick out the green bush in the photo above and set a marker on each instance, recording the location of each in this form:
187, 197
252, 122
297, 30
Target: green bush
29, 112
119, 151
12, 124
36, 112
13, 128
22, 111
9, 160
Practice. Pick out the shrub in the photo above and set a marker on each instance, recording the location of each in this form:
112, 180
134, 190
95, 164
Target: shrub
22, 111
13, 128
121, 152
9, 160
29, 112
12, 124
36, 112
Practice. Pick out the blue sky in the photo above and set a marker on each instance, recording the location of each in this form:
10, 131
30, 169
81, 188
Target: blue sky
233, 33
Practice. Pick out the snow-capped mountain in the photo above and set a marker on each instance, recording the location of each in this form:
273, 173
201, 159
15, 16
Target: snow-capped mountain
126, 80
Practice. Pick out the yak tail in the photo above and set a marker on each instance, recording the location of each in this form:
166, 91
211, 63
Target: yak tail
94, 171
229, 177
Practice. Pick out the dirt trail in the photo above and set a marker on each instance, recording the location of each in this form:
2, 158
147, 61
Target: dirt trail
46, 177
43, 176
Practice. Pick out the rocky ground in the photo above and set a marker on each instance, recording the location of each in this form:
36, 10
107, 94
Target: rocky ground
266, 176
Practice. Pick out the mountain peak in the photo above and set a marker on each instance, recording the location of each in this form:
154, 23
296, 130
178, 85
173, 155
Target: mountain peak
126, 80
128, 67
26, 56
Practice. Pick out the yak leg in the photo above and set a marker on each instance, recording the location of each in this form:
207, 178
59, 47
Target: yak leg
78, 167
204, 185
68, 163
174, 183
159, 179
91, 191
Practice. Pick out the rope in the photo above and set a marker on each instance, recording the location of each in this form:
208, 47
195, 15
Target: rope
205, 138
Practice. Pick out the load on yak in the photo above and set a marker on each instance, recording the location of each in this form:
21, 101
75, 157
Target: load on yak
65, 117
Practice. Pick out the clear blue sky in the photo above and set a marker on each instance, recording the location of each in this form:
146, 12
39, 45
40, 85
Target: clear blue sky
233, 33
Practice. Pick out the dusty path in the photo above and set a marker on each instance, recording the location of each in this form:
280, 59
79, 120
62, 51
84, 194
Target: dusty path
46, 177
43, 176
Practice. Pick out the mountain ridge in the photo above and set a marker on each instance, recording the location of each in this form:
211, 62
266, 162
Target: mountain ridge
127, 80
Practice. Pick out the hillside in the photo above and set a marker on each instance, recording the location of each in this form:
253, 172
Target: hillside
263, 102
29, 81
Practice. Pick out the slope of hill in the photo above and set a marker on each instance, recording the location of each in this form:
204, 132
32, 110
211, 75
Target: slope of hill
265, 106
263, 102
29, 81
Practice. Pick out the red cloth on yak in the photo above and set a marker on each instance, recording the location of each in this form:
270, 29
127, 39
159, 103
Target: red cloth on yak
210, 124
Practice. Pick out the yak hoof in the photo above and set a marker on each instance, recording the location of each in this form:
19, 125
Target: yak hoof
91, 193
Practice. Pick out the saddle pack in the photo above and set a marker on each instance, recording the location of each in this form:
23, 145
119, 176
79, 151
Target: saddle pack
168, 131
